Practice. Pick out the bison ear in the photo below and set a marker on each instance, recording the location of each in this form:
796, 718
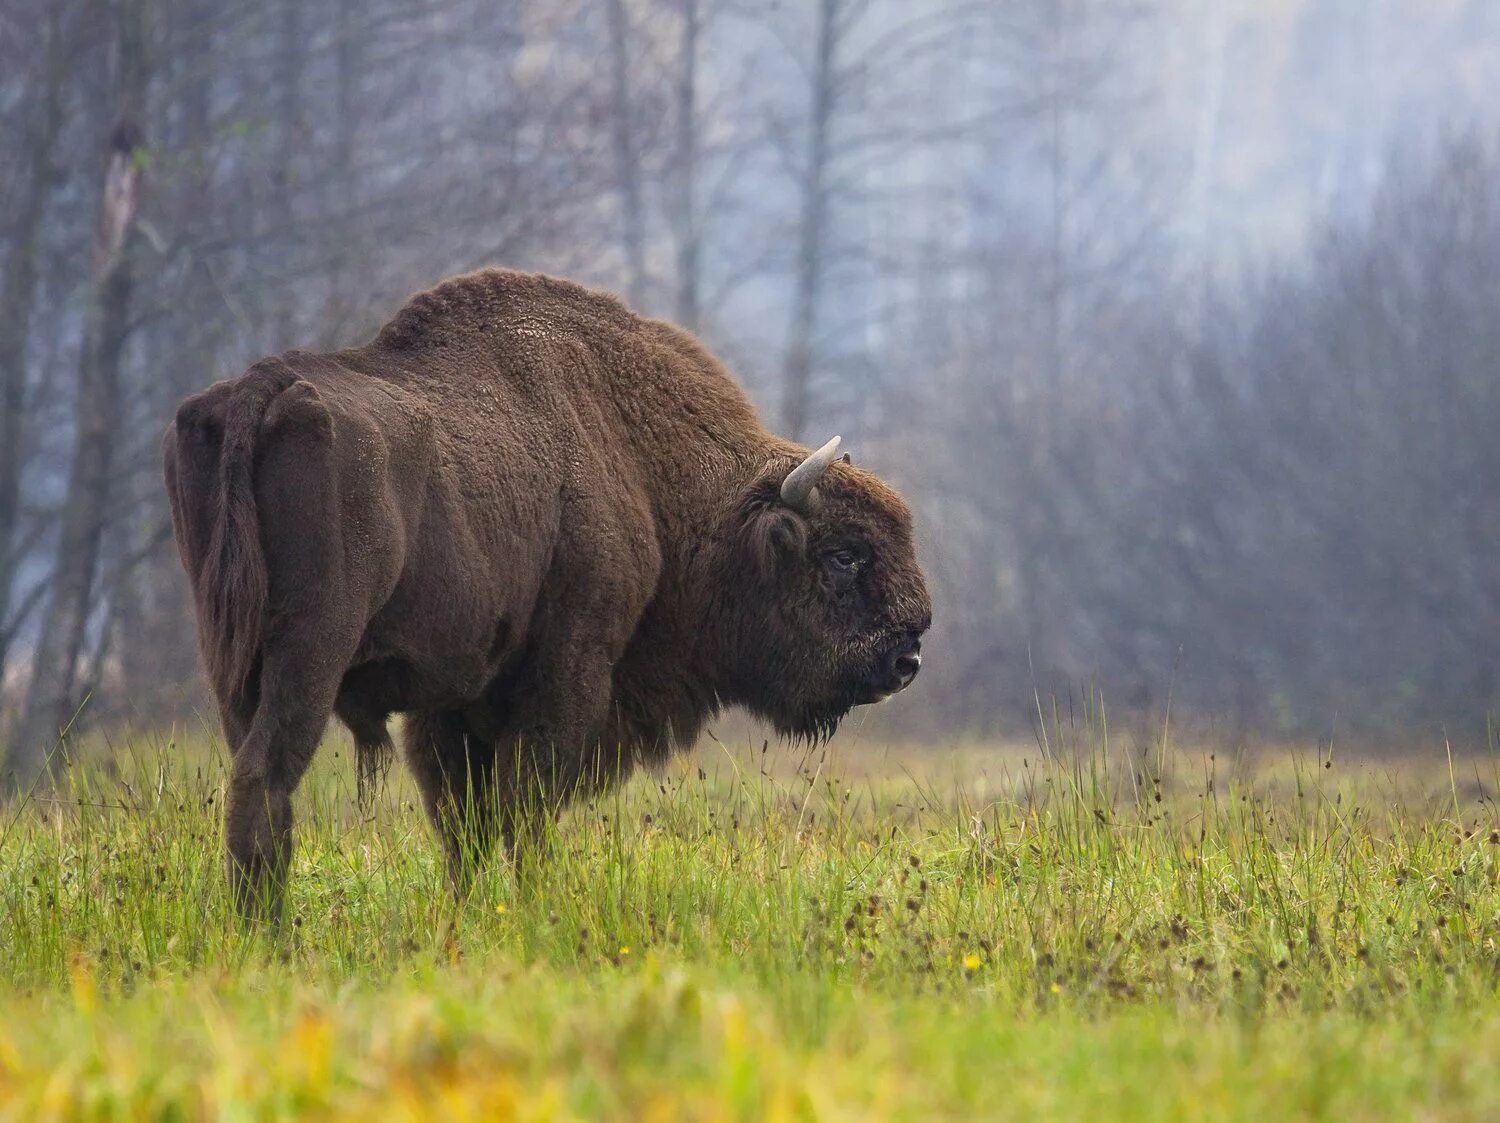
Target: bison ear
774, 535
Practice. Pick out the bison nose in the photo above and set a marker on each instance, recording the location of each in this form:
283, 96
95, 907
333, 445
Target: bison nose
907, 662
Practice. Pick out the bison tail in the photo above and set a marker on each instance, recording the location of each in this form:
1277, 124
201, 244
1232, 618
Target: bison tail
230, 582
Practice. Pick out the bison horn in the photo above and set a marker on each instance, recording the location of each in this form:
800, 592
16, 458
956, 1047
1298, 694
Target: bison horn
801, 482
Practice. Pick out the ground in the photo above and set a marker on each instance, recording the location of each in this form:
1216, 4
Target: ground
1070, 930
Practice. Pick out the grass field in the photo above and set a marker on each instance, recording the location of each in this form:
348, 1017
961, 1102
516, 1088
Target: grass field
1069, 934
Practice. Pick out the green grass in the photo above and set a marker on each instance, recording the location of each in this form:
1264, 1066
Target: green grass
1072, 934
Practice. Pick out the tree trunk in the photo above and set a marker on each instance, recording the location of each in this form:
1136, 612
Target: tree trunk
627, 160
17, 302
291, 53
796, 388
50, 700
689, 235
341, 187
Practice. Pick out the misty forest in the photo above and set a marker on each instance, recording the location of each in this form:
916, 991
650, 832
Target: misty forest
1175, 321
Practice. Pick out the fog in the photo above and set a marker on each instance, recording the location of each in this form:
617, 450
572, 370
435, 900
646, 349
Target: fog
1177, 322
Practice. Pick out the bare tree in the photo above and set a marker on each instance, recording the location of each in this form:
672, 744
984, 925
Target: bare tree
41, 116
812, 225
51, 697
687, 226
627, 160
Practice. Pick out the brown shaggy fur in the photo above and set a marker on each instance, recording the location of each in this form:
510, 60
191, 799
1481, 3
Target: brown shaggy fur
547, 530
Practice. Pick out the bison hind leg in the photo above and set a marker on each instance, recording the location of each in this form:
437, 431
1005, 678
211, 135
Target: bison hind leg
295, 703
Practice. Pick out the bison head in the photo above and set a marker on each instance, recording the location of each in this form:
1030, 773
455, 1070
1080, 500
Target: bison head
824, 596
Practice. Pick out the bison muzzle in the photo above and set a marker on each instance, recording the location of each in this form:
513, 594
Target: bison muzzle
551, 533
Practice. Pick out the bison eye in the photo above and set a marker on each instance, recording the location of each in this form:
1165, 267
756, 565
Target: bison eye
844, 560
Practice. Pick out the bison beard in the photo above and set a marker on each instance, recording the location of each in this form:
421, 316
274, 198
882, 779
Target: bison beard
551, 533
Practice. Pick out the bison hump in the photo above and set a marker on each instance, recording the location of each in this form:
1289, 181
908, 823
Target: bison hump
462, 309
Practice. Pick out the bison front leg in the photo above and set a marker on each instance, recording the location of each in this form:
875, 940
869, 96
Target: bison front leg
455, 767
502, 768
552, 750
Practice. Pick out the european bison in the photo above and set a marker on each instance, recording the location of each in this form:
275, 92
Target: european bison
552, 533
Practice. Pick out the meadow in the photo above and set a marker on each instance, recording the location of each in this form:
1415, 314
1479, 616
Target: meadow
1063, 930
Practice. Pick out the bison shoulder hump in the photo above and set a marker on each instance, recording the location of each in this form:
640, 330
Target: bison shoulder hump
489, 298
